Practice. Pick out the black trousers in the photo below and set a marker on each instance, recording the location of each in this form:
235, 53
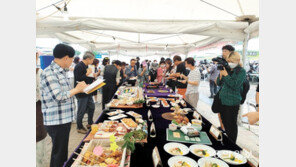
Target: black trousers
108, 93
60, 138
213, 88
85, 105
229, 119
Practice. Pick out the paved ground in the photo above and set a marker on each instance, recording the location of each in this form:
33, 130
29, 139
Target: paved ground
248, 137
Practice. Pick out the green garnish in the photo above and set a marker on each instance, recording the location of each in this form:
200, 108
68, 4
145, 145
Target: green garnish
214, 165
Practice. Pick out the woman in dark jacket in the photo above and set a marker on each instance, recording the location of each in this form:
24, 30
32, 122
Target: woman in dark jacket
231, 83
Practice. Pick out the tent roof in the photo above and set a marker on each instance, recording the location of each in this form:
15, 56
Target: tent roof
150, 26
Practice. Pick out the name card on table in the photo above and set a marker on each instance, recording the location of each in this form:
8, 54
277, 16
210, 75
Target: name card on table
253, 161
156, 157
215, 132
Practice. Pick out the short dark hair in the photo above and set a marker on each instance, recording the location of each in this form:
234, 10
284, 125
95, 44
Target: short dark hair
138, 58
105, 61
117, 62
228, 47
177, 58
168, 61
162, 62
76, 60
96, 62
62, 50
123, 63
133, 60
190, 60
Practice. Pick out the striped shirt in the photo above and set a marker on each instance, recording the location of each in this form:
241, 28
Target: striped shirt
57, 105
194, 75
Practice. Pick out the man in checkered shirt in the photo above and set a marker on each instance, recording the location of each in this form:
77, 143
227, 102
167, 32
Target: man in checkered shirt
58, 102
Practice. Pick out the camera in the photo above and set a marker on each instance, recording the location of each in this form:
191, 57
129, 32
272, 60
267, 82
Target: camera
221, 63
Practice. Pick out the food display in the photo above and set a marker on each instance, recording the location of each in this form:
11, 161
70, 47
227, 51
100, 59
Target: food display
98, 153
176, 148
129, 123
163, 91
108, 128
150, 91
115, 112
181, 161
117, 117
231, 157
135, 115
164, 102
201, 150
155, 106
128, 97
211, 162
180, 120
172, 100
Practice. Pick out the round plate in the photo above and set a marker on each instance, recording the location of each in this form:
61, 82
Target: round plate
228, 152
184, 149
210, 150
173, 160
201, 162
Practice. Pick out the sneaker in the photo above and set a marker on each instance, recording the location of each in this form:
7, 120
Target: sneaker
88, 126
211, 97
83, 131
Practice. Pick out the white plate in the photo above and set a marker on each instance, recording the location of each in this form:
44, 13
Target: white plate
173, 160
167, 147
155, 106
117, 117
201, 162
179, 126
237, 155
210, 150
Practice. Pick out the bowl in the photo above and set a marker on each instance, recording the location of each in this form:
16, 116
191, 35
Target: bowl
172, 127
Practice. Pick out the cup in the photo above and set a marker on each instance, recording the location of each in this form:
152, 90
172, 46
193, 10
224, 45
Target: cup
172, 127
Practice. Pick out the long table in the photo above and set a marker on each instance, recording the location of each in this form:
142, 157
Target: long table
142, 156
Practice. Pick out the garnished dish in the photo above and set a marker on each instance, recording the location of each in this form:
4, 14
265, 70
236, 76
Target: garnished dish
115, 112
163, 91
176, 148
181, 161
201, 150
211, 162
129, 123
164, 103
150, 91
99, 153
135, 115
232, 157
181, 120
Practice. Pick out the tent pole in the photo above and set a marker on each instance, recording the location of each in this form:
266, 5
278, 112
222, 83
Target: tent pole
245, 49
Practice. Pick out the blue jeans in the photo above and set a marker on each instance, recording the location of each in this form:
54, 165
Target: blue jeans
213, 88
85, 105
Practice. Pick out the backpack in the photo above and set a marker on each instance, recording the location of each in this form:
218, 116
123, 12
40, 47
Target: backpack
246, 88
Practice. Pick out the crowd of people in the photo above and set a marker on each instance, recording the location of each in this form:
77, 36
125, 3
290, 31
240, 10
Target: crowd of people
66, 77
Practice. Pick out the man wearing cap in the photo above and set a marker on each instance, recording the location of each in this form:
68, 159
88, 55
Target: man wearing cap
58, 102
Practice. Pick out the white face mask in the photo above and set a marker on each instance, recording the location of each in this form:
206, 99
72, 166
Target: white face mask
232, 65
162, 66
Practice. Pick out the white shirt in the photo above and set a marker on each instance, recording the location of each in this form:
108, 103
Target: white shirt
194, 75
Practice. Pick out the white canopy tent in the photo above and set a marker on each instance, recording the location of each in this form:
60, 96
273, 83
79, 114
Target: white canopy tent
147, 27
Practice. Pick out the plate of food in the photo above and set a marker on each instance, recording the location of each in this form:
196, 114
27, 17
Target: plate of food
201, 150
172, 95
135, 115
181, 161
211, 162
181, 120
117, 117
176, 148
165, 103
129, 123
155, 106
115, 112
163, 91
231, 157
150, 91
